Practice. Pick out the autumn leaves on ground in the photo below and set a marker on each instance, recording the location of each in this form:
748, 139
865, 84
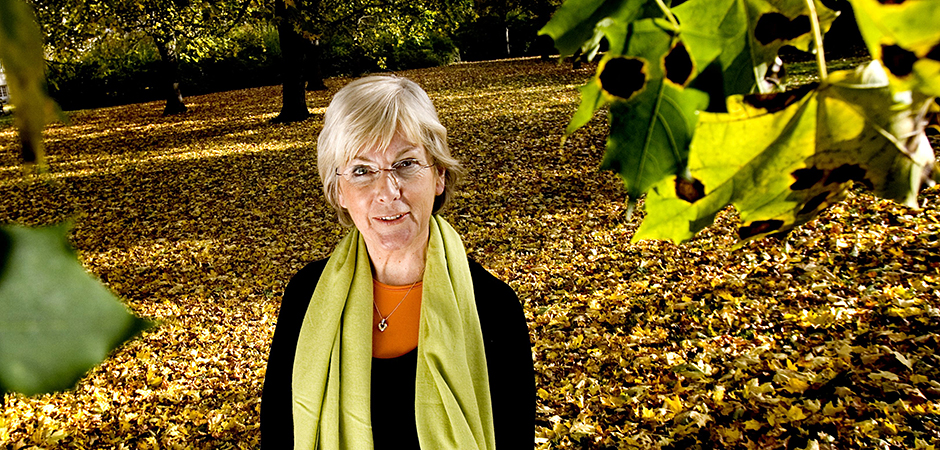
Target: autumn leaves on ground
824, 339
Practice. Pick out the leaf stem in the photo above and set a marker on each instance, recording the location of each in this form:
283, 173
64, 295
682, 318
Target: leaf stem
817, 37
668, 13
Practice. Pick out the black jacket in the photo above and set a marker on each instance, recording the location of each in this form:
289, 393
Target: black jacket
508, 360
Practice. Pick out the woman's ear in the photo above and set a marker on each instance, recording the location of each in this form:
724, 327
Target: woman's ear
439, 188
339, 197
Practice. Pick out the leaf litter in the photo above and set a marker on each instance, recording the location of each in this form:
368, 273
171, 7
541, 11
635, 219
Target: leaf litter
823, 339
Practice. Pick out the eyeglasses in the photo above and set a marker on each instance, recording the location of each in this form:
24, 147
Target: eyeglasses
363, 175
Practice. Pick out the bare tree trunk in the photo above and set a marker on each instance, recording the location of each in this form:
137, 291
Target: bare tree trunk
314, 75
174, 98
293, 96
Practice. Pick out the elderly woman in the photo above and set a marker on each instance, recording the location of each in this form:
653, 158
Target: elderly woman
397, 340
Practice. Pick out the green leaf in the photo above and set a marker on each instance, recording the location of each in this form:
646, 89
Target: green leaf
56, 320
652, 111
744, 36
905, 37
572, 27
811, 145
21, 53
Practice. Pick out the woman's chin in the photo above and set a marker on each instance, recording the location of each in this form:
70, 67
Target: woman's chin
393, 240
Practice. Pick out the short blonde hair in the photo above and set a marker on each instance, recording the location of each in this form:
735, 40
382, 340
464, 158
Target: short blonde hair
367, 114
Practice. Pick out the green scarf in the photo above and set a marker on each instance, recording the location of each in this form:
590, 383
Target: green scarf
332, 365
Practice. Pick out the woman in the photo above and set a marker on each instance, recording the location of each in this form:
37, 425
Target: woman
397, 340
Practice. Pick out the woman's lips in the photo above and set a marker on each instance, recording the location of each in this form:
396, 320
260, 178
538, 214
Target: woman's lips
391, 218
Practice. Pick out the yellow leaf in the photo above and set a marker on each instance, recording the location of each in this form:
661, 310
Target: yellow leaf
731, 434
797, 385
831, 410
752, 425
719, 394
890, 427
674, 404
812, 444
796, 413
543, 394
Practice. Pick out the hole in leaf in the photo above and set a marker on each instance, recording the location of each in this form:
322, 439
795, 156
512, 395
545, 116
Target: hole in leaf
806, 178
689, 190
623, 77
934, 53
780, 100
773, 26
678, 65
759, 227
846, 172
898, 60
814, 203
890, 2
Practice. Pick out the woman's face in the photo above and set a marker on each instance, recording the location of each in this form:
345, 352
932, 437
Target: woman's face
392, 214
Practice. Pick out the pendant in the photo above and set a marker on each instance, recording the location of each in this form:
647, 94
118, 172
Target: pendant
383, 325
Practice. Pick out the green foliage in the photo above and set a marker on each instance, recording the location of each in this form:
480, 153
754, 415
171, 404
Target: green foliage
119, 69
385, 50
653, 114
779, 158
742, 37
575, 26
56, 320
803, 160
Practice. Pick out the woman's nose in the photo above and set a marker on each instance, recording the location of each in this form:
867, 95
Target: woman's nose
389, 188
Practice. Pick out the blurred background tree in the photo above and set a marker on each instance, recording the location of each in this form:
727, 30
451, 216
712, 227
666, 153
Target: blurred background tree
101, 53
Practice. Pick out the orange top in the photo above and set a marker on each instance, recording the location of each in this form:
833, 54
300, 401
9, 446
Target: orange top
401, 333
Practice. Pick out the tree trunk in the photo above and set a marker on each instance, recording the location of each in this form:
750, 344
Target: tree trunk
314, 75
174, 98
293, 94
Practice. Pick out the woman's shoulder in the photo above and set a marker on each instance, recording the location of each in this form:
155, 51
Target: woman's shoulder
302, 284
311, 271
491, 292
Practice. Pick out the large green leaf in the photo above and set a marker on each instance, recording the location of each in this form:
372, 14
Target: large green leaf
744, 36
56, 319
781, 159
905, 37
573, 26
652, 111
21, 54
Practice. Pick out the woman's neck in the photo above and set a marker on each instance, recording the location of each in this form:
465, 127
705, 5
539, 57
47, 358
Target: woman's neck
398, 269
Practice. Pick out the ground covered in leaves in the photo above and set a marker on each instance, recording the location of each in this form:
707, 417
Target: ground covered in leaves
824, 339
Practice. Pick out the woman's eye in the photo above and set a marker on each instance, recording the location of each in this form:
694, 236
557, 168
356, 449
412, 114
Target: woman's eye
406, 163
360, 171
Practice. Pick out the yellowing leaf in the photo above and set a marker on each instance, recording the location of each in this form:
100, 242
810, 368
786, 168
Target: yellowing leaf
796, 413
543, 394
815, 144
831, 410
797, 385
673, 404
903, 35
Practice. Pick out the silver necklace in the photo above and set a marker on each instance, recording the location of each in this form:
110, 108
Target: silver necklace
383, 324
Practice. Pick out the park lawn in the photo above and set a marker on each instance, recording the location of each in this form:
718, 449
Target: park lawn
824, 339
